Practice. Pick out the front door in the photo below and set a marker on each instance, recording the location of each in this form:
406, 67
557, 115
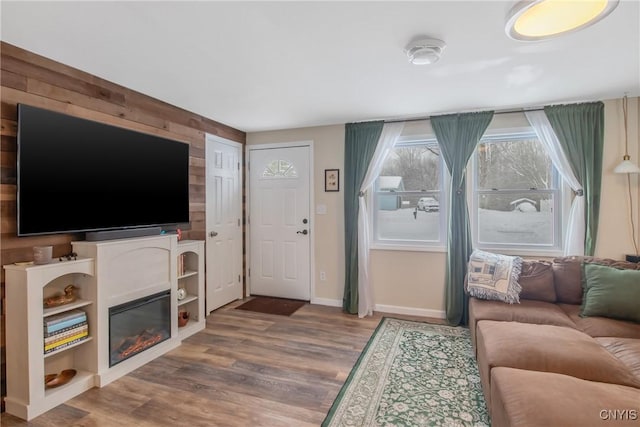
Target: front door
280, 222
223, 221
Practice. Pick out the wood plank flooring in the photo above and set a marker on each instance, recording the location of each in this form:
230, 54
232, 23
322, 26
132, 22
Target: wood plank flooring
245, 369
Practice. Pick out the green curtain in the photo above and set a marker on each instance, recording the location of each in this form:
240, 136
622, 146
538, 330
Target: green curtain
458, 135
360, 143
580, 130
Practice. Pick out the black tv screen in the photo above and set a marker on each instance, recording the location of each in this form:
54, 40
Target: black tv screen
77, 175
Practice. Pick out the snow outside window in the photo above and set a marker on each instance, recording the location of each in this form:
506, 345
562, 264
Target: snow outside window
516, 195
410, 198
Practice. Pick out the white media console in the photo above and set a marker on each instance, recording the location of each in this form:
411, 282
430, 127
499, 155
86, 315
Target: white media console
106, 274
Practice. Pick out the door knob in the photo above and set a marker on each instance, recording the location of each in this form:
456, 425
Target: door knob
213, 233
305, 232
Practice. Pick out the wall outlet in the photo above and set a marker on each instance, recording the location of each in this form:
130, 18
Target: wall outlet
323, 275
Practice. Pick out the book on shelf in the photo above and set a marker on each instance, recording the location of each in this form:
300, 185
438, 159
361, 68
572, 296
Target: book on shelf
63, 330
48, 329
66, 342
62, 317
61, 346
65, 334
181, 265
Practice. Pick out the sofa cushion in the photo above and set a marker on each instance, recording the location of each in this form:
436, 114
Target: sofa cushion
567, 278
547, 348
611, 292
601, 326
529, 398
568, 271
493, 276
528, 311
627, 350
536, 280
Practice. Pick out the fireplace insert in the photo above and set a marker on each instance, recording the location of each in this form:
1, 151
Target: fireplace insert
138, 325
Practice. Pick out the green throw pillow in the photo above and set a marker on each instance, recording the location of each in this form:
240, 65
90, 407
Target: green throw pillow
610, 292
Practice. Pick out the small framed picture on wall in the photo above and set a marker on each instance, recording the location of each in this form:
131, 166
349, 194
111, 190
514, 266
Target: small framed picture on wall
332, 180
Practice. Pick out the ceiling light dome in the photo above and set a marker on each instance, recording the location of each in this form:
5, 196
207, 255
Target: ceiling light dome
425, 51
531, 20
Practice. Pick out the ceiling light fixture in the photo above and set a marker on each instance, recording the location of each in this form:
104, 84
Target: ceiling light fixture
425, 51
531, 20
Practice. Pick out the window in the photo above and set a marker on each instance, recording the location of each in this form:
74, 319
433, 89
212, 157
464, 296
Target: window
279, 169
409, 202
516, 194
514, 190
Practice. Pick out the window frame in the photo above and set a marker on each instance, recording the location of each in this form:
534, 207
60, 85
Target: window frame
559, 192
442, 195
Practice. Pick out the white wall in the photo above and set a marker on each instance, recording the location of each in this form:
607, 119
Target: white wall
614, 232
413, 282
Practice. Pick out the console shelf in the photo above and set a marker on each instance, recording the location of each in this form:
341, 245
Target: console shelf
26, 287
81, 382
55, 310
187, 299
53, 353
187, 274
191, 279
106, 274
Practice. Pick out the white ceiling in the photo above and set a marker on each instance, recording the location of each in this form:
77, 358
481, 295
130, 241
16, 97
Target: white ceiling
275, 65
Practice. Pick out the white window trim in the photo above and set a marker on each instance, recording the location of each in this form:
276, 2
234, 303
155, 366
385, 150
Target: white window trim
562, 205
418, 245
563, 201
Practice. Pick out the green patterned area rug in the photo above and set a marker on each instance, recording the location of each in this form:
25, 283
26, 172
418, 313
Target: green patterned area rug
412, 374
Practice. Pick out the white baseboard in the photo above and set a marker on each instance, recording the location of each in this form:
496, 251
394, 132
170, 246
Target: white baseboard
391, 309
327, 301
410, 311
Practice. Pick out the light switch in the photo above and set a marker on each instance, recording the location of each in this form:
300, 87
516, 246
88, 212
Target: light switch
321, 209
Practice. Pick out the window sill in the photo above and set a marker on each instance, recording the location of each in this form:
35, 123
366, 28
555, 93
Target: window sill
525, 253
407, 248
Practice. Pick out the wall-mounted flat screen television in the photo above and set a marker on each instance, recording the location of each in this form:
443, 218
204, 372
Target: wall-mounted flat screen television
78, 175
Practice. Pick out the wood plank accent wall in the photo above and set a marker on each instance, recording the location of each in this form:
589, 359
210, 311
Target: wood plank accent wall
35, 80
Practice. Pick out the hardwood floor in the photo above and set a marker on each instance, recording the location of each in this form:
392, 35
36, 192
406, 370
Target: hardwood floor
244, 369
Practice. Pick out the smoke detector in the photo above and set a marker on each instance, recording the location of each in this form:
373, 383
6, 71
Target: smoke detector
425, 51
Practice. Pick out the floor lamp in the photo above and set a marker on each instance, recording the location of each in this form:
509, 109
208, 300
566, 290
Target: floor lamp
628, 167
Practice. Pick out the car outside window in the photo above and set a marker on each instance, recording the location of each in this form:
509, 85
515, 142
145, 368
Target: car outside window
408, 198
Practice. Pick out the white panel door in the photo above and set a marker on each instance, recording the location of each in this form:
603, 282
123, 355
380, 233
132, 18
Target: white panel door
223, 222
279, 221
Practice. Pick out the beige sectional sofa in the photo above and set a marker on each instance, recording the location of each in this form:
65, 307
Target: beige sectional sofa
542, 364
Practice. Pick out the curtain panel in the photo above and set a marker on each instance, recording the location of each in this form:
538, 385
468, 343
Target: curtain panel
458, 135
574, 235
388, 138
360, 142
580, 132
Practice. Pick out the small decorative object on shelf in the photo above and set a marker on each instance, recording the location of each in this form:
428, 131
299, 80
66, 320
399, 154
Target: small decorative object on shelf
179, 233
182, 293
57, 300
42, 254
69, 256
23, 263
56, 380
183, 318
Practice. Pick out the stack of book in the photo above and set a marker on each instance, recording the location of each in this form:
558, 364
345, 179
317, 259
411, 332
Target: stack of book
181, 269
64, 329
